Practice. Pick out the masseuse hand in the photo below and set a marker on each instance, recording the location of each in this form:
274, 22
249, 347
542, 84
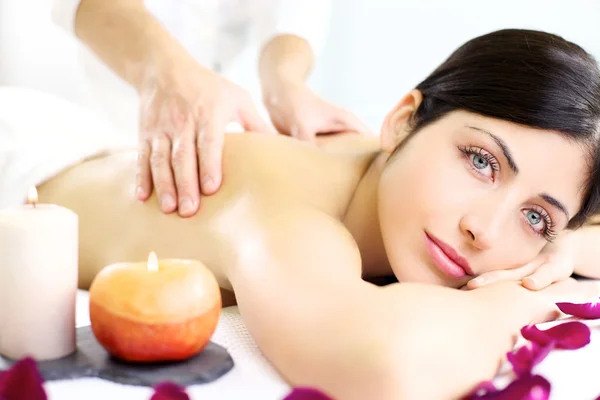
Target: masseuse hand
554, 263
182, 121
297, 111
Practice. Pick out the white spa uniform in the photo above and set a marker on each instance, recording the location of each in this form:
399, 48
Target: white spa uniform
224, 35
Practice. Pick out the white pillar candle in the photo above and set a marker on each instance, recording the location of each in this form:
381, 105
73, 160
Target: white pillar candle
38, 280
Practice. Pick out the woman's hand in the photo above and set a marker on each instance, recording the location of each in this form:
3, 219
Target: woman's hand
571, 290
297, 111
566, 290
554, 263
183, 117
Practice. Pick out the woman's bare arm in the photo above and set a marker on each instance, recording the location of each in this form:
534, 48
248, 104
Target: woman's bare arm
321, 325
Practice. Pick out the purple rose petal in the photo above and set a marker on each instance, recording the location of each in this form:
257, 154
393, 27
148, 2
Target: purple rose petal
306, 393
22, 381
585, 310
569, 335
528, 356
169, 391
527, 387
481, 389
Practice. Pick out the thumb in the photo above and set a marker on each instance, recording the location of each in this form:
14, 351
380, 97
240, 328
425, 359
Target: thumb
351, 122
252, 121
301, 132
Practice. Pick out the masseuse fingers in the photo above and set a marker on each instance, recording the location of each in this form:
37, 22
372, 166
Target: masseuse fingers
515, 274
144, 175
209, 143
251, 120
185, 169
302, 132
352, 123
162, 175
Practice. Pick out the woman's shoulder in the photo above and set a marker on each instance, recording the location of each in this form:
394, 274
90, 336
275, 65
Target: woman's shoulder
276, 166
343, 142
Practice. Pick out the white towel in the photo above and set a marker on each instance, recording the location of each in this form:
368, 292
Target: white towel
41, 135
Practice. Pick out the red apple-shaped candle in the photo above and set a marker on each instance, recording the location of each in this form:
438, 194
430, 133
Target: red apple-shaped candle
163, 310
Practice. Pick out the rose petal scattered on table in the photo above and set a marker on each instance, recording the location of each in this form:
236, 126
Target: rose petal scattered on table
22, 381
481, 389
169, 391
584, 310
528, 356
306, 393
568, 335
527, 387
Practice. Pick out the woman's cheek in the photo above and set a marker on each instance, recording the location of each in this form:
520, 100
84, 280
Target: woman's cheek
450, 178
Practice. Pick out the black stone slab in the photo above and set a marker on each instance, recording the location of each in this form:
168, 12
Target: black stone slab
92, 360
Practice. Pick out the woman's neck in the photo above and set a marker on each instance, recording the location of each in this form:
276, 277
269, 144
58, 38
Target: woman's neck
362, 220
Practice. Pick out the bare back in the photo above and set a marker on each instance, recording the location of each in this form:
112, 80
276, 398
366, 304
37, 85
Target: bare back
261, 174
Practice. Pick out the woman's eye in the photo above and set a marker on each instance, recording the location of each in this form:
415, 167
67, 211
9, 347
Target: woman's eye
533, 217
541, 223
481, 165
479, 162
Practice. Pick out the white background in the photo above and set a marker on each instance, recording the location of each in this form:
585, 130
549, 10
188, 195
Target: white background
376, 49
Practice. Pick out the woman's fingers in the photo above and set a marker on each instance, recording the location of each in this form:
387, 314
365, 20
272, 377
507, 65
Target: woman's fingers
162, 174
515, 274
546, 275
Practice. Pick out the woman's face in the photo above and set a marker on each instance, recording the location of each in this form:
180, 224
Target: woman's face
470, 194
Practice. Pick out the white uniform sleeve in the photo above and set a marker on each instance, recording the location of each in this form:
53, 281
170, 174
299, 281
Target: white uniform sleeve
308, 19
64, 13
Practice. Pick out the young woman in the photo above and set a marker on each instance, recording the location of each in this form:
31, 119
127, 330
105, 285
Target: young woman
479, 167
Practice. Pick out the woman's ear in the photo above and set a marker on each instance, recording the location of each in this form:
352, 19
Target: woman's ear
396, 124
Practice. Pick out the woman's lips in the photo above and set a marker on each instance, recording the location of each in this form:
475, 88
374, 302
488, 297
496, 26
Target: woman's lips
446, 258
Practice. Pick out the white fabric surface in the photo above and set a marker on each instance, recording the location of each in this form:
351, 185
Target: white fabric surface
224, 35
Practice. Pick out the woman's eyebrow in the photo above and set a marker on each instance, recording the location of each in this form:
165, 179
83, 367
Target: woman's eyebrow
502, 144
554, 202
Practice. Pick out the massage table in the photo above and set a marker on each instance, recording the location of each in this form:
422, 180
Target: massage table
575, 375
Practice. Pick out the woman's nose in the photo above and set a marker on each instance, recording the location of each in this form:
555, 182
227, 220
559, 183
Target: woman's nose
486, 217
479, 234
